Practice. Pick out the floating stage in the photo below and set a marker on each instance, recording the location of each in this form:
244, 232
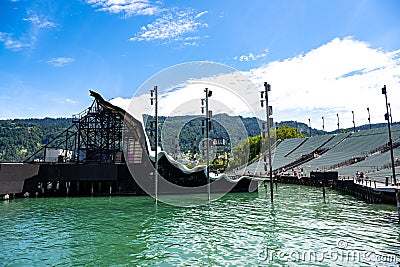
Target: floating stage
105, 152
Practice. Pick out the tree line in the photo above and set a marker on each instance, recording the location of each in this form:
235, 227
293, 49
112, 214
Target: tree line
20, 138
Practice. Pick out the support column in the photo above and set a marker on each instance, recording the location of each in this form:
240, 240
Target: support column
398, 202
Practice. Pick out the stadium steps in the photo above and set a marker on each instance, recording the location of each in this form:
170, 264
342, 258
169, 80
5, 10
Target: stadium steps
294, 149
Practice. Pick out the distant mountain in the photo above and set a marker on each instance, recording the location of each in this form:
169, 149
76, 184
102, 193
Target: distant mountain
304, 128
365, 127
188, 130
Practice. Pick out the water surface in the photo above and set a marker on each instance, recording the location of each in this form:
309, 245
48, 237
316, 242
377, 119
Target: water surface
241, 229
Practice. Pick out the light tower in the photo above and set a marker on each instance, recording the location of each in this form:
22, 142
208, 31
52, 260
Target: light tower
268, 111
369, 118
208, 116
337, 115
387, 115
154, 101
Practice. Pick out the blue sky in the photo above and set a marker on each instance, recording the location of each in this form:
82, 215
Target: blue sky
53, 52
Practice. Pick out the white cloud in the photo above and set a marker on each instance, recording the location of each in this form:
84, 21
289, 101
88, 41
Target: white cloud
27, 40
11, 43
66, 101
201, 14
338, 77
40, 23
181, 96
60, 61
251, 56
70, 101
172, 26
126, 7
341, 76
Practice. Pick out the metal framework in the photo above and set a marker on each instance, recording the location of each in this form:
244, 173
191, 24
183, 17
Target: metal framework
98, 134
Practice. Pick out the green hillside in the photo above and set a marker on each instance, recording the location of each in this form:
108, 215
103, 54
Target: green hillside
20, 138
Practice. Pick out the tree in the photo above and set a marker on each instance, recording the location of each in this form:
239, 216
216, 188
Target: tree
287, 132
253, 147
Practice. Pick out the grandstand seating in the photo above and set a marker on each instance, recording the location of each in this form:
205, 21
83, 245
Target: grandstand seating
363, 151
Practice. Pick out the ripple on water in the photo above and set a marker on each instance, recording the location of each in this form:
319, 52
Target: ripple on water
237, 230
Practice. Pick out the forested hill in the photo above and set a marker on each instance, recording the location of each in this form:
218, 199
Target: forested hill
20, 138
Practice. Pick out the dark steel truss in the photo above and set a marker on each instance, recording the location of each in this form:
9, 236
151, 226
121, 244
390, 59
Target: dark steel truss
95, 136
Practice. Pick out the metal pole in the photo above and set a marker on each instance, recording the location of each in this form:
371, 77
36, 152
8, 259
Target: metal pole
309, 125
337, 114
369, 119
390, 113
156, 142
268, 88
323, 124
390, 135
354, 123
207, 149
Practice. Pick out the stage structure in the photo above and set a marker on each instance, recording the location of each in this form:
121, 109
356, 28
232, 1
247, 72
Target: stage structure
104, 151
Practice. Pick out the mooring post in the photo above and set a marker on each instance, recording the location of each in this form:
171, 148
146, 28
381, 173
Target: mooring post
397, 192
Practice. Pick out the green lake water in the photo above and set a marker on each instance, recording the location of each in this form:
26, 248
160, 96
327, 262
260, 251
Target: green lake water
241, 229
